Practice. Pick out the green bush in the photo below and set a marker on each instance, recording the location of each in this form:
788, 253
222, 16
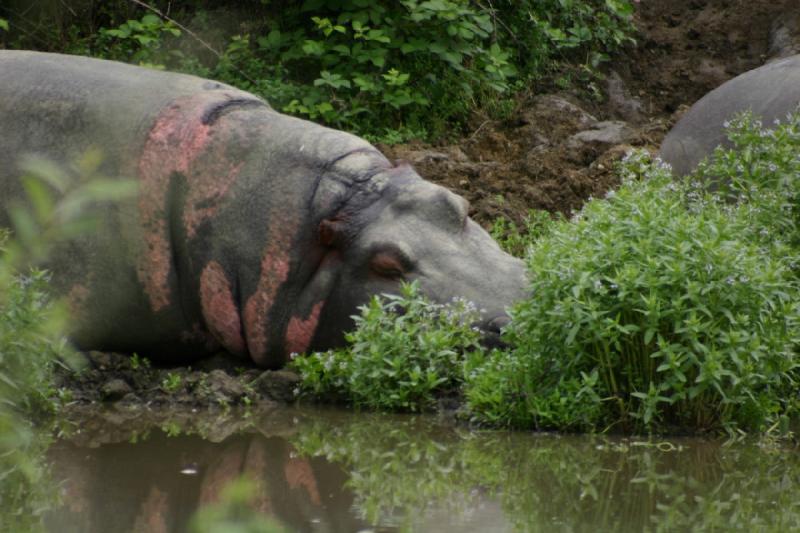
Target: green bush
762, 175
141, 41
404, 353
515, 240
663, 307
31, 325
29, 346
389, 70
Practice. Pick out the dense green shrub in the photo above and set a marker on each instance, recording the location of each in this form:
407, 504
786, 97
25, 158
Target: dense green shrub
663, 306
388, 69
515, 239
763, 174
28, 349
403, 354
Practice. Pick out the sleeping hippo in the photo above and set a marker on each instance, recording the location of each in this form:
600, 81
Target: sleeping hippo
770, 92
252, 231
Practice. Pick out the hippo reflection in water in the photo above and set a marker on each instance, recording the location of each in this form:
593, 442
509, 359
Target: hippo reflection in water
252, 231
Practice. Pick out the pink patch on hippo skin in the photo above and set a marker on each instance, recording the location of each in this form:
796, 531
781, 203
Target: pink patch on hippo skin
274, 273
219, 308
301, 330
179, 142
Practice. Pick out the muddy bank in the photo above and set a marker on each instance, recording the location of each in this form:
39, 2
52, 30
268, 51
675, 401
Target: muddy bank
557, 149
130, 382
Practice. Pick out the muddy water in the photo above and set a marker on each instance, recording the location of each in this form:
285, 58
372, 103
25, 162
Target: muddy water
323, 470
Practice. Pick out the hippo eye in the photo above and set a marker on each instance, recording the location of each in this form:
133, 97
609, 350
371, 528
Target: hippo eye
388, 264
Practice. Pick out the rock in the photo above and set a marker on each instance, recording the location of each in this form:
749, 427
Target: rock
278, 385
130, 400
115, 389
101, 360
784, 36
223, 386
549, 103
620, 100
603, 135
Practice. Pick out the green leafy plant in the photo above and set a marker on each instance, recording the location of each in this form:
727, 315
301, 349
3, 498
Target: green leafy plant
404, 353
171, 382
137, 41
31, 325
659, 308
138, 362
368, 67
515, 240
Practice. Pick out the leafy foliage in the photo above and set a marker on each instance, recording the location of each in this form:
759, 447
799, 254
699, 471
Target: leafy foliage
31, 323
404, 353
387, 70
137, 41
663, 306
516, 240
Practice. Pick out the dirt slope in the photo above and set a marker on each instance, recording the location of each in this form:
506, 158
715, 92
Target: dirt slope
559, 149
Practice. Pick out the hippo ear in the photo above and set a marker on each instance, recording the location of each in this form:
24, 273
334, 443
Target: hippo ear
330, 232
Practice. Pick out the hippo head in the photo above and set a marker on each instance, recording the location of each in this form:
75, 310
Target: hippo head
391, 227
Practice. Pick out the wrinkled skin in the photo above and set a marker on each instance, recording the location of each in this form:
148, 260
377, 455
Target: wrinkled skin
252, 231
770, 92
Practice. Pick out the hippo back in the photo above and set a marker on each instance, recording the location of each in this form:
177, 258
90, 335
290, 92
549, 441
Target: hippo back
769, 92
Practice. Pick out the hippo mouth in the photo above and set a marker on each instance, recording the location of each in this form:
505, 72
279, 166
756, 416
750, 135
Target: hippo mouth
492, 331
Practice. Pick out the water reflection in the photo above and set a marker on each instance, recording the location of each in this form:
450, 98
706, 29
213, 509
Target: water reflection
332, 471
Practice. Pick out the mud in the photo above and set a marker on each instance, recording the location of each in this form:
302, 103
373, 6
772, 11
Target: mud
556, 149
545, 155
215, 384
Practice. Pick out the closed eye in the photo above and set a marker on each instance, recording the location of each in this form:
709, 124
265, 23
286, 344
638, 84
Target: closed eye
389, 261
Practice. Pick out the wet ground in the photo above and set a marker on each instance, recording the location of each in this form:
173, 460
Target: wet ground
327, 470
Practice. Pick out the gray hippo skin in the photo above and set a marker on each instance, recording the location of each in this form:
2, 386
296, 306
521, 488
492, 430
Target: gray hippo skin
770, 92
252, 232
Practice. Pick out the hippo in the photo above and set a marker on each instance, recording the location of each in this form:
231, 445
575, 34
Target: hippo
770, 92
252, 232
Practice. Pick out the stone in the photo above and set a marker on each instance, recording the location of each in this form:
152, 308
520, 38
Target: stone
620, 100
603, 135
115, 389
278, 385
784, 36
223, 386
